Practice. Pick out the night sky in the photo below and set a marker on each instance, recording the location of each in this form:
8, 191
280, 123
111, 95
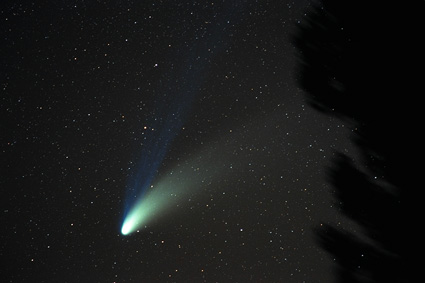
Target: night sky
104, 102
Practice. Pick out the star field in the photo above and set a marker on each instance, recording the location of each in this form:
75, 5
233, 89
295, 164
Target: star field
81, 86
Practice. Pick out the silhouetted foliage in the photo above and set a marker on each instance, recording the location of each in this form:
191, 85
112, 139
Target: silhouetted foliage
359, 61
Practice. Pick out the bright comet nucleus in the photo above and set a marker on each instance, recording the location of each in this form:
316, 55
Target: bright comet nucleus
126, 228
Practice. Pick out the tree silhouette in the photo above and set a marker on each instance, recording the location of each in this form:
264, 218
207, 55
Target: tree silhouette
359, 61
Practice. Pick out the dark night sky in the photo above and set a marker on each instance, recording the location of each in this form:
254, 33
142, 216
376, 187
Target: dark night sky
82, 84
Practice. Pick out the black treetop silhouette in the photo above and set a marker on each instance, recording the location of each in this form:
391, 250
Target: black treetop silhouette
363, 62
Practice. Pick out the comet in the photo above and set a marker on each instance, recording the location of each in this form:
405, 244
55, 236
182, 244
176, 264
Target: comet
148, 195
